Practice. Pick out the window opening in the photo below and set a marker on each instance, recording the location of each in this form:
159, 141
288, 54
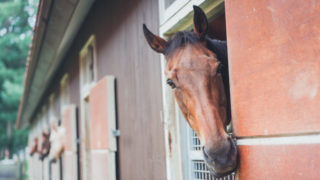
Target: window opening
91, 62
197, 168
88, 64
87, 81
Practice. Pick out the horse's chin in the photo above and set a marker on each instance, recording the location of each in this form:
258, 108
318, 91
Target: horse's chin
217, 170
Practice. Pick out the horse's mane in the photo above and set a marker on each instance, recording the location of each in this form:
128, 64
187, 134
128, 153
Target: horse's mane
221, 50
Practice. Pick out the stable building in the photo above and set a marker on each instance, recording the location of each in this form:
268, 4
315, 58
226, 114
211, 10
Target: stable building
91, 72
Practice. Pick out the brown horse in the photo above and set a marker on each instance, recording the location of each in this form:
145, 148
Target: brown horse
45, 145
57, 140
201, 89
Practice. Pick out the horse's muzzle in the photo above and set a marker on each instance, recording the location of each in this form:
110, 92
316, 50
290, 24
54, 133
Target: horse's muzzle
223, 161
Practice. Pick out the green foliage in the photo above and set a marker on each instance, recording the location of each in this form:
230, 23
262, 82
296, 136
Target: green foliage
16, 21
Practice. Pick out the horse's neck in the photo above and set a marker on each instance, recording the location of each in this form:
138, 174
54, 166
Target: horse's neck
221, 50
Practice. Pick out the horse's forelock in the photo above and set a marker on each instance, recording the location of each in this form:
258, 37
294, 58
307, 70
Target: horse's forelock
180, 39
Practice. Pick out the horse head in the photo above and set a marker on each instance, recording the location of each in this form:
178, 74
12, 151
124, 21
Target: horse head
193, 72
57, 140
45, 146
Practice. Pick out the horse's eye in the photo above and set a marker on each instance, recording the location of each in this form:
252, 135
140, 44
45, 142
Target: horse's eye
171, 83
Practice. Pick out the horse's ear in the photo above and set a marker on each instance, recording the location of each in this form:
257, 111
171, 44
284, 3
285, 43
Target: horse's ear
156, 43
200, 23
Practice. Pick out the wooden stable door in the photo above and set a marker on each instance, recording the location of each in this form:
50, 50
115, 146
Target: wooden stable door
70, 161
102, 125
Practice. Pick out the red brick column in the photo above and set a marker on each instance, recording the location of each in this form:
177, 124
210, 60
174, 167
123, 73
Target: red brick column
274, 50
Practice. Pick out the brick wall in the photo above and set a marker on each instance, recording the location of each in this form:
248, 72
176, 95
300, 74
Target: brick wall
275, 77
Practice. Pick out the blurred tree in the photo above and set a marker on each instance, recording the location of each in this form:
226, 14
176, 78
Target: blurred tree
16, 22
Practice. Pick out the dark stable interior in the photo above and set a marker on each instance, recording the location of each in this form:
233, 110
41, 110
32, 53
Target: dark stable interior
217, 28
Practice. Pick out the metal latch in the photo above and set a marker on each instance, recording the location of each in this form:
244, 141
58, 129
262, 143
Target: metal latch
116, 133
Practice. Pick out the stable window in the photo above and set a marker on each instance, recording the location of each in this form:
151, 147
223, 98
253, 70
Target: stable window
64, 92
184, 153
87, 81
88, 66
98, 122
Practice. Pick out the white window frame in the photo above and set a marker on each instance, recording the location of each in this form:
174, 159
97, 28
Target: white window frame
85, 114
181, 18
85, 88
64, 92
178, 17
44, 117
52, 113
168, 12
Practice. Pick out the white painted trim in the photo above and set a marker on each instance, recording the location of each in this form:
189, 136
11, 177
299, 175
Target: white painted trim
111, 113
112, 175
64, 92
289, 140
171, 10
173, 152
69, 161
84, 155
185, 144
183, 18
68, 152
180, 14
111, 156
85, 90
100, 150
83, 52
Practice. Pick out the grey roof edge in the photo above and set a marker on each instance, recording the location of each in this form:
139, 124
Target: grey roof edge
27, 108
